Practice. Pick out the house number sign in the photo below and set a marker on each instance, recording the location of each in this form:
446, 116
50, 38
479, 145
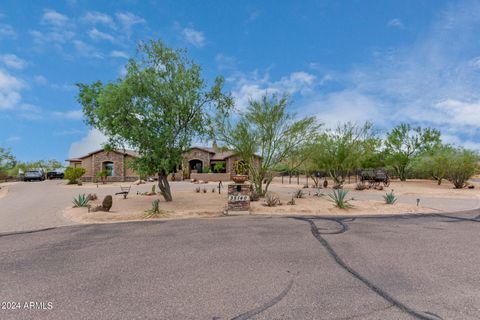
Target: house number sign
238, 198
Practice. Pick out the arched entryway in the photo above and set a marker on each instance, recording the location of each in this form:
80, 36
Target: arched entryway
195, 164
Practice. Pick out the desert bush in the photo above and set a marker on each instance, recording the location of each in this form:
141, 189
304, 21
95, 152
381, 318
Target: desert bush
80, 201
254, 196
197, 189
318, 193
92, 196
107, 203
291, 202
390, 198
299, 194
73, 174
338, 196
360, 186
272, 199
462, 166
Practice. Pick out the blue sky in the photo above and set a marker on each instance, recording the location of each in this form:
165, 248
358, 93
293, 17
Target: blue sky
383, 61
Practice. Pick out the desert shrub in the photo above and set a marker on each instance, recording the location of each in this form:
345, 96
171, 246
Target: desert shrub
338, 196
318, 193
92, 196
102, 175
291, 202
107, 203
390, 198
272, 199
205, 170
197, 189
360, 186
461, 167
73, 174
254, 196
80, 201
299, 194
153, 189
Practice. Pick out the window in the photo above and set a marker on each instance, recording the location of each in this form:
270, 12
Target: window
109, 168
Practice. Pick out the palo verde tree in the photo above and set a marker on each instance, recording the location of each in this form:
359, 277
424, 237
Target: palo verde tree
342, 150
462, 165
7, 161
435, 162
157, 108
404, 143
267, 130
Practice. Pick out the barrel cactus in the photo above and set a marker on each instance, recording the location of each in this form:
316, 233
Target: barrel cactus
107, 203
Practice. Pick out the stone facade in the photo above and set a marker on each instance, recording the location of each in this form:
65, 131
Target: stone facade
239, 197
94, 163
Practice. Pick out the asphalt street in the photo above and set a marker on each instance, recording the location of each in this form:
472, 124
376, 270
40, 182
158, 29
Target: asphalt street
397, 267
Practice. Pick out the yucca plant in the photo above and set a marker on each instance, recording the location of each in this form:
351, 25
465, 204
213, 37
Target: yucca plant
390, 198
338, 196
81, 201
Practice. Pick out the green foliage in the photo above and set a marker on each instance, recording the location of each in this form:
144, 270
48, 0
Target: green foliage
267, 130
219, 167
205, 169
157, 108
155, 205
73, 174
434, 163
462, 165
404, 143
240, 167
81, 201
7, 162
318, 193
342, 150
390, 198
338, 196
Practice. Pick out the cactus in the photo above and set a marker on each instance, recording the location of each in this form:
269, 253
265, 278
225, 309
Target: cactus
107, 203
153, 189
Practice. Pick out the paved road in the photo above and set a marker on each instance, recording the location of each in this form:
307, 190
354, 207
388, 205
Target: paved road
410, 267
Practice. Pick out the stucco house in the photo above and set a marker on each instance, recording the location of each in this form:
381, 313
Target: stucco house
115, 163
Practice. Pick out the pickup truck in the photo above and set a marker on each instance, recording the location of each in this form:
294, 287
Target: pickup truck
54, 175
31, 175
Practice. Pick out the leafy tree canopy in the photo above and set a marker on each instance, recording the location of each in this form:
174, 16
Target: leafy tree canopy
157, 108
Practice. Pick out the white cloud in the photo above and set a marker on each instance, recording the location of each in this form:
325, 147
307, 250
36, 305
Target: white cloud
395, 23
194, 37
94, 17
85, 50
119, 54
10, 88
91, 142
253, 87
128, 19
7, 31
96, 34
69, 115
54, 18
12, 61
40, 80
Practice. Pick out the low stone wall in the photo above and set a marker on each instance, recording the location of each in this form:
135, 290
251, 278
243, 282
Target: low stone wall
211, 176
109, 179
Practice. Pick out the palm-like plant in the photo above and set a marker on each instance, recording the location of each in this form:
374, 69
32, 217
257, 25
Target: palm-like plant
81, 201
338, 196
390, 198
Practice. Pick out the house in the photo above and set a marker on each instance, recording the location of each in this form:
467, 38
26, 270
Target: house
219, 163
114, 162
201, 163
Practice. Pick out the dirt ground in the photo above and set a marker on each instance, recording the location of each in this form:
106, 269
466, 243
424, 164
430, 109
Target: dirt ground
188, 203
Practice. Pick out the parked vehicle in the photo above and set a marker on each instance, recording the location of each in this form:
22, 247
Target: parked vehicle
55, 175
32, 175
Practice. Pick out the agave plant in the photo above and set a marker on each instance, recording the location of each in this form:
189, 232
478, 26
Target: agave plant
81, 201
338, 196
390, 198
318, 193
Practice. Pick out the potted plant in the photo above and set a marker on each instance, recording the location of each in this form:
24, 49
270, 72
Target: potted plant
240, 172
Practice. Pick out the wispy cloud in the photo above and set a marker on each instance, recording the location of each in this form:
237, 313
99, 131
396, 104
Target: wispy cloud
128, 19
10, 88
7, 31
96, 34
86, 50
13, 139
119, 54
94, 17
12, 61
69, 115
54, 18
194, 37
395, 23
